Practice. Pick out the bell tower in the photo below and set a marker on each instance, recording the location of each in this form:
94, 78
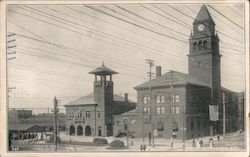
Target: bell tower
204, 56
103, 96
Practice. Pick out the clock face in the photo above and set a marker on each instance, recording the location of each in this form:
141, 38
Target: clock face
201, 27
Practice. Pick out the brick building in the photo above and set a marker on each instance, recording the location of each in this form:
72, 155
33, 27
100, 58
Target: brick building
177, 104
92, 115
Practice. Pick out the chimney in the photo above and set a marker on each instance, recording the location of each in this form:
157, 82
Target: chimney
126, 96
158, 71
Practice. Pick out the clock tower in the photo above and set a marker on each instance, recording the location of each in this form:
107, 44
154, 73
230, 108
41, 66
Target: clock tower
204, 56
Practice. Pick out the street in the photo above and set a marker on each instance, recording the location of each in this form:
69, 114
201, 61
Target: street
232, 142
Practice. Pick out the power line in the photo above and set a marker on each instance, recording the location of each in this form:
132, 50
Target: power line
225, 17
120, 27
134, 24
146, 19
217, 26
122, 45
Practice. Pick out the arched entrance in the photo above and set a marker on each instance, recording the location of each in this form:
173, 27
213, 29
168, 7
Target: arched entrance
87, 131
79, 130
71, 130
99, 131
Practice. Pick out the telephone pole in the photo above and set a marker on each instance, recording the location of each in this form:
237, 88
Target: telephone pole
150, 74
56, 123
224, 113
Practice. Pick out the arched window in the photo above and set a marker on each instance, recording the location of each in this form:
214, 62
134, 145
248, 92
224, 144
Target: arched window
176, 98
200, 45
195, 46
205, 45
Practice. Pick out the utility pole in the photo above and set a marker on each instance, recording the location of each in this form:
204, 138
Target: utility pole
55, 123
224, 113
171, 109
150, 74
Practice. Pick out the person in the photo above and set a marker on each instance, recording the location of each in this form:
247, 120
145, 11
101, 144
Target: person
218, 138
171, 142
201, 143
210, 142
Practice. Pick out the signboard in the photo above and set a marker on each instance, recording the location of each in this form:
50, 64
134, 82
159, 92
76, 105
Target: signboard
214, 112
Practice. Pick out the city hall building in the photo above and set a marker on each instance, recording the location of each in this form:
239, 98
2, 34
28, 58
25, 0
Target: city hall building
176, 104
92, 115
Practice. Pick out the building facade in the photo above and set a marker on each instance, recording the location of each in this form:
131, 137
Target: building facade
168, 107
92, 115
177, 104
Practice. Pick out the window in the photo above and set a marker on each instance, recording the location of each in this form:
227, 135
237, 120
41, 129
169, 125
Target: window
162, 99
160, 126
176, 98
158, 110
71, 114
98, 114
200, 45
118, 122
146, 99
176, 110
162, 110
79, 114
87, 114
205, 45
195, 46
158, 99
147, 110
175, 126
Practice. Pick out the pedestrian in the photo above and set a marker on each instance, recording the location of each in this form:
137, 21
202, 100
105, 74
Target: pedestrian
218, 138
171, 142
197, 143
210, 142
201, 143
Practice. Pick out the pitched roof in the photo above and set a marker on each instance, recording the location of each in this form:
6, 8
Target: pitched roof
85, 100
203, 14
165, 79
103, 70
20, 126
89, 100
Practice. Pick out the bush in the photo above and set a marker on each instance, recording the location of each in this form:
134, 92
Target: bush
117, 144
98, 140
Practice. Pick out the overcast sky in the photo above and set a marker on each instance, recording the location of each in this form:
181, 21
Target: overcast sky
57, 45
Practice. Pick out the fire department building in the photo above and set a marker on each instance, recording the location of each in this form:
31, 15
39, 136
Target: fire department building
176, 104
92, 115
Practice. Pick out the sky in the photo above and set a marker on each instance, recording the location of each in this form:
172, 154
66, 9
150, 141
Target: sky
57, 45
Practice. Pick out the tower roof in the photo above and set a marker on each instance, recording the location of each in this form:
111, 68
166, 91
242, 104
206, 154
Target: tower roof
103, 70
203, 15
